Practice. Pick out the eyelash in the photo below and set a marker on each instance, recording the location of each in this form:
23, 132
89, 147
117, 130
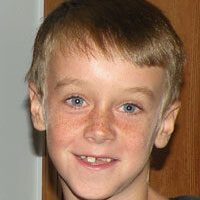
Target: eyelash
75, 97
136, 110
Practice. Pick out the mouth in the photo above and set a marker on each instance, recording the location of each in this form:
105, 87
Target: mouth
97, 162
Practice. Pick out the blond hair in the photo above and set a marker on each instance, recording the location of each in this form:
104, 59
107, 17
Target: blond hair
135, 29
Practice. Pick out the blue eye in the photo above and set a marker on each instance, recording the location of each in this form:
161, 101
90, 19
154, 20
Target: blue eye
76, 101
130, 108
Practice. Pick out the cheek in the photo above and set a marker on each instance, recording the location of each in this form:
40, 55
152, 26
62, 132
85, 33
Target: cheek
137, 135
62, 130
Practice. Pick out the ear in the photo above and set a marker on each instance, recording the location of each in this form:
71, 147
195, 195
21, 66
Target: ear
36, 107
167, 125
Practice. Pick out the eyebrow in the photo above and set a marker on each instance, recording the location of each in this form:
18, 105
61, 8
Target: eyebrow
69, 81
143, 90
66, 81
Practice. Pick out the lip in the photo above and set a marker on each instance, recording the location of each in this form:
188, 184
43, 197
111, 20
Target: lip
96, 167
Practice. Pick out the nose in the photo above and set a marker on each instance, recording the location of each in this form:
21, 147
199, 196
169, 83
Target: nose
99, 128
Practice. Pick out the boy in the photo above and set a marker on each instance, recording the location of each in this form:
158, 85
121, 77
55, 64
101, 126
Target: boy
104, 84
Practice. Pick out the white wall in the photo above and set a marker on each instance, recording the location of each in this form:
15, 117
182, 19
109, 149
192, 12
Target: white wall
20, 166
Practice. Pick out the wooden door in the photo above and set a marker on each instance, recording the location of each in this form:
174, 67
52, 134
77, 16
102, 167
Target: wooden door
180, 173
176, 169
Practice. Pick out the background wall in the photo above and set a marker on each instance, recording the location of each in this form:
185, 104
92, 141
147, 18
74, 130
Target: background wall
20, 166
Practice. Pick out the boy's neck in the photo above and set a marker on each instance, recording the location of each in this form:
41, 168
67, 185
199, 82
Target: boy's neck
153, 195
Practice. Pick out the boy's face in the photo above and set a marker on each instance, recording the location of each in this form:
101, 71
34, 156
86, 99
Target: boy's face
102, 118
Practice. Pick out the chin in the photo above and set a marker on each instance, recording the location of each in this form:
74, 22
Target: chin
93, 197
90, 194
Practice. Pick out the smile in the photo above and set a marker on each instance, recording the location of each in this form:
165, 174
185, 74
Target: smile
94, 162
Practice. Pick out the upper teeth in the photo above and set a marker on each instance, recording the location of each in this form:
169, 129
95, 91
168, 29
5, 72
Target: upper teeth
93, 159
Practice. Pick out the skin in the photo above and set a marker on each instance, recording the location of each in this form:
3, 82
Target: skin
108, 108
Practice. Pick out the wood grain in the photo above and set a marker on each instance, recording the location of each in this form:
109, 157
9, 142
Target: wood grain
176, 169
180, 174
50, 5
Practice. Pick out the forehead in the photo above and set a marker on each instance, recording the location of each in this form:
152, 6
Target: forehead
115, 71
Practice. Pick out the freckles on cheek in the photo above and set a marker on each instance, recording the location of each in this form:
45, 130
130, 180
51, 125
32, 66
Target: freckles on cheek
137, 135
135, 141
58, 133
63, 130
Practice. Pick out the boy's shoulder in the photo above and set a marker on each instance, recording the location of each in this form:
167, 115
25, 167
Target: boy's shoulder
185, 198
